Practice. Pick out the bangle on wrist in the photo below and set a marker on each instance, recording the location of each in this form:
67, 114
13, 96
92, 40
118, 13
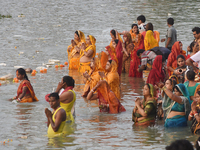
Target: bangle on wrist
196, 114
164, 88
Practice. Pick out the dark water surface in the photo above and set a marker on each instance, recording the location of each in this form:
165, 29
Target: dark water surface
43, 32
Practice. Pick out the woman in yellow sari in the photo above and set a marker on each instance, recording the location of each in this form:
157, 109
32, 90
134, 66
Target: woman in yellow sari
93, 77
87, 53
25, 92
149, 40
112, 77
74, 49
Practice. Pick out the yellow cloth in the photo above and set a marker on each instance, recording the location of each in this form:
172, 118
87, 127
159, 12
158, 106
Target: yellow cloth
73, 51
112, 78
68, 106
50, 131
149, 41
90, 47
84, 67
74, 63
156, 36
94, 76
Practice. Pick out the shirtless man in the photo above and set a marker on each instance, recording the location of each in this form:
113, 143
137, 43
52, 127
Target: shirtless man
87, 53
57, 118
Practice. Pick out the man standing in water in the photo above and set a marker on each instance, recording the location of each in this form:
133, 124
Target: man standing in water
57, 118
87, 54
171, 36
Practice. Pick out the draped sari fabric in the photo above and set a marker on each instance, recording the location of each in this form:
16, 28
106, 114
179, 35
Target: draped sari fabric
112, 53
171, 61
31, 97
156, 74
119, 57
119, 38
169, 105
74, 61
94, 77
149, 107
108, 102
86, 66
127, 59
156, 35
103, 58
149, 41
139, 43
112, 77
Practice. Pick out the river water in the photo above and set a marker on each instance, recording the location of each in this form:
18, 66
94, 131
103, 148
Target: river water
42, 32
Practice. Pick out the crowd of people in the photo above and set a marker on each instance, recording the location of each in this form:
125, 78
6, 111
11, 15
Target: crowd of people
171, 92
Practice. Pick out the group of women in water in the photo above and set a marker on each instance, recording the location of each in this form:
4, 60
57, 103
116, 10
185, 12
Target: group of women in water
171, 91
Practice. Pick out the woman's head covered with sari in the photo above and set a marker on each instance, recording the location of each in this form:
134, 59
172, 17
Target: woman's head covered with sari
95, 64
111, 66
128, 36
80, 35
149, 40
114, 36
156, 74
112, 53
92, 40
103, 58
152, 91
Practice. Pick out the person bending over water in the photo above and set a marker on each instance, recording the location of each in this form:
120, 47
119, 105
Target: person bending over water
108, 102
176, 105
87, 53
56, 118
144, 112
25, 92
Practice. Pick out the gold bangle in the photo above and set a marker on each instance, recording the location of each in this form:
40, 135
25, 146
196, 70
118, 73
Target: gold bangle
164, 88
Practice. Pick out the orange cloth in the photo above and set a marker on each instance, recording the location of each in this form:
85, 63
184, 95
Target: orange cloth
90, 47
112, 77
112, 53
29, 98
94, 76
119, 38
171, 61
74, 63
140, 40
108, 102
103, 57
149, 41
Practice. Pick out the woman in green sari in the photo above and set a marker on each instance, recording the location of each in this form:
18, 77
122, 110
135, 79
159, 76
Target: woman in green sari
144, 112
175, 105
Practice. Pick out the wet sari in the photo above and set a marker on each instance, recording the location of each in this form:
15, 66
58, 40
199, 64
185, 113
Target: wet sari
74, 61
140, 42
149, 107
170, 105
171, 61
149, 41
156, 35
156, 74
112, 78
30, 97
94, 77
108, 102
86, 66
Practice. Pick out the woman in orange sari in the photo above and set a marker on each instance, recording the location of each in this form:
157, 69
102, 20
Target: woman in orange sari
108, 102
127, 52
93, 77
74, 50
172, 58
110, 51
25, 92
112, 77
138, 42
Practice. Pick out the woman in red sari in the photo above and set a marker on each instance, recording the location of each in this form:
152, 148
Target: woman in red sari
138, 42
108, 102
25, 92
118, 48
157, 74
171, 61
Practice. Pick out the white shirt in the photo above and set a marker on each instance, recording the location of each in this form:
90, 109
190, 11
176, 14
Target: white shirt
196, 57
